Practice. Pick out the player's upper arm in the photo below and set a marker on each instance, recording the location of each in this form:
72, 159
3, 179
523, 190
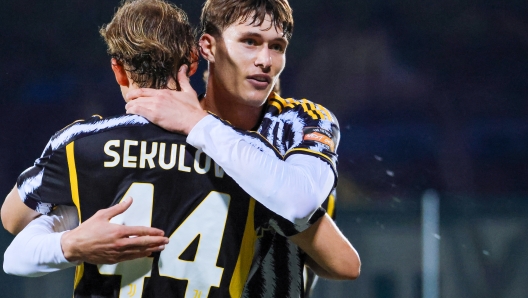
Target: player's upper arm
15, 214
333, 254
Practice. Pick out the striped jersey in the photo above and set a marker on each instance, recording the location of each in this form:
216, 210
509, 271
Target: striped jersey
212, 223
292, 127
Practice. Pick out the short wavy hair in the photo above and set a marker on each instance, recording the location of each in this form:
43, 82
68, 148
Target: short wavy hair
217, 15
152, 39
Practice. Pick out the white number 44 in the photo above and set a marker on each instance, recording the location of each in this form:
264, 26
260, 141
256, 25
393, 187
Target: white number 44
207, 221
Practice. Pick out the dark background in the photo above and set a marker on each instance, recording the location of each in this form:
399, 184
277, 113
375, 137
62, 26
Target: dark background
429, 95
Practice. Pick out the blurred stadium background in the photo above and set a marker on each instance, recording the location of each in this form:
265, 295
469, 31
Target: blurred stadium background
429, 94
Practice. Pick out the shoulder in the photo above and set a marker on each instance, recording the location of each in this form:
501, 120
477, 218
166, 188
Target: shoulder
93, 125
302, 108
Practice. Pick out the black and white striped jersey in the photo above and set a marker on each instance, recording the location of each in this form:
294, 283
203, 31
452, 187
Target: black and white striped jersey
212, 223
292, 127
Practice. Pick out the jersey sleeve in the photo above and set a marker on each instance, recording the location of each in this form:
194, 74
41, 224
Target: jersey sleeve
312, 129
46, 184
294, 188
36, 250
267, 219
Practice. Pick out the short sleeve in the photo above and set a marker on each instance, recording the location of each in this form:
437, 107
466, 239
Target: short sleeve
266, 219
46, 184
302, 127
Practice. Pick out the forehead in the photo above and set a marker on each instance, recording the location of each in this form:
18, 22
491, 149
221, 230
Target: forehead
248, 25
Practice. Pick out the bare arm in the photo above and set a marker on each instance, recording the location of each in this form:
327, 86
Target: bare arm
330, 253
15, 214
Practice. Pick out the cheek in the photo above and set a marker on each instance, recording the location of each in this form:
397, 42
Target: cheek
279, 62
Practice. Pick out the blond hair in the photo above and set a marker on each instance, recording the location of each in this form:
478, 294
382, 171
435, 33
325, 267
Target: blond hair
152, 39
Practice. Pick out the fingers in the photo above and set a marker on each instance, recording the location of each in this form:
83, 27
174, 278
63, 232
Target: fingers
138, 108
183, 79
141, 92
138, 231
130, 256
143, 243
117, 209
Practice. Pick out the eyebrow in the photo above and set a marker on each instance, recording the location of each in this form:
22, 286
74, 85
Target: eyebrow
256, 34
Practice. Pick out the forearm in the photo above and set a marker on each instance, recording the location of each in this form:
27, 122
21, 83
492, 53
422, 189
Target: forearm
36, 250
293, 188
331, 254
320, 271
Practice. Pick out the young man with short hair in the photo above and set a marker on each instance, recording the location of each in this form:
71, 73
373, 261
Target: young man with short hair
244, 43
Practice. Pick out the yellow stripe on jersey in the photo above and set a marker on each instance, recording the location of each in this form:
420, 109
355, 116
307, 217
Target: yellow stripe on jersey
316, 111
70, 155
245, 257
79, 272
312, 111
276, 97
277, 105
331, 205
326, 112
291, 103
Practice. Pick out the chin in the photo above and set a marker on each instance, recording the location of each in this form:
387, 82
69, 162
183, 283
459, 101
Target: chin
257, 98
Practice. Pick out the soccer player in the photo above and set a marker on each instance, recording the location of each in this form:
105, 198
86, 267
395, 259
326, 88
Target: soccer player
97, 163
244, 43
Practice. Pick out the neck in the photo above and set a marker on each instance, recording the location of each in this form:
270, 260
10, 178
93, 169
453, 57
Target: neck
230, 107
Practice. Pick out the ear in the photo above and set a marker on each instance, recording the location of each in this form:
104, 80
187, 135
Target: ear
194, 62
120, 73
208, 47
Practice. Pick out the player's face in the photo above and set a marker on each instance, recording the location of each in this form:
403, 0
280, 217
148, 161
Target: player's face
249, 60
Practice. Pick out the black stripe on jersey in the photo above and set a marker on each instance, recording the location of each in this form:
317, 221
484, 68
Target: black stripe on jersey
314, 110
309, 107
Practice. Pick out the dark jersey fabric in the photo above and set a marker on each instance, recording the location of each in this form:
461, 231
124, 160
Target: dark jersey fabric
287, 123
96, 163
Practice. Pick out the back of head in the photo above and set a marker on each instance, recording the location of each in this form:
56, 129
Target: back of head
217, 15
152, 39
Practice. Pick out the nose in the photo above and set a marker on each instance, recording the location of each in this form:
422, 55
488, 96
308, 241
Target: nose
263, 58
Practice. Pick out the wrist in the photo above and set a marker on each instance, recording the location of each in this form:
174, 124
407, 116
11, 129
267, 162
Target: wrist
197, 118
68, 247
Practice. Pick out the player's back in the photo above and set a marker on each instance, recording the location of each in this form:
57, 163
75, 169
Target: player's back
97, 163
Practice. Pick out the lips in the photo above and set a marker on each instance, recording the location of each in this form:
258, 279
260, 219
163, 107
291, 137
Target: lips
259, 81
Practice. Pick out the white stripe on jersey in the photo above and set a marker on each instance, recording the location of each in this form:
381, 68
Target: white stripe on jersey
76, 129
28, 186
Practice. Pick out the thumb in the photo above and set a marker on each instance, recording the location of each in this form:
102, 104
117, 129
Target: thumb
119, 208
183, 79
